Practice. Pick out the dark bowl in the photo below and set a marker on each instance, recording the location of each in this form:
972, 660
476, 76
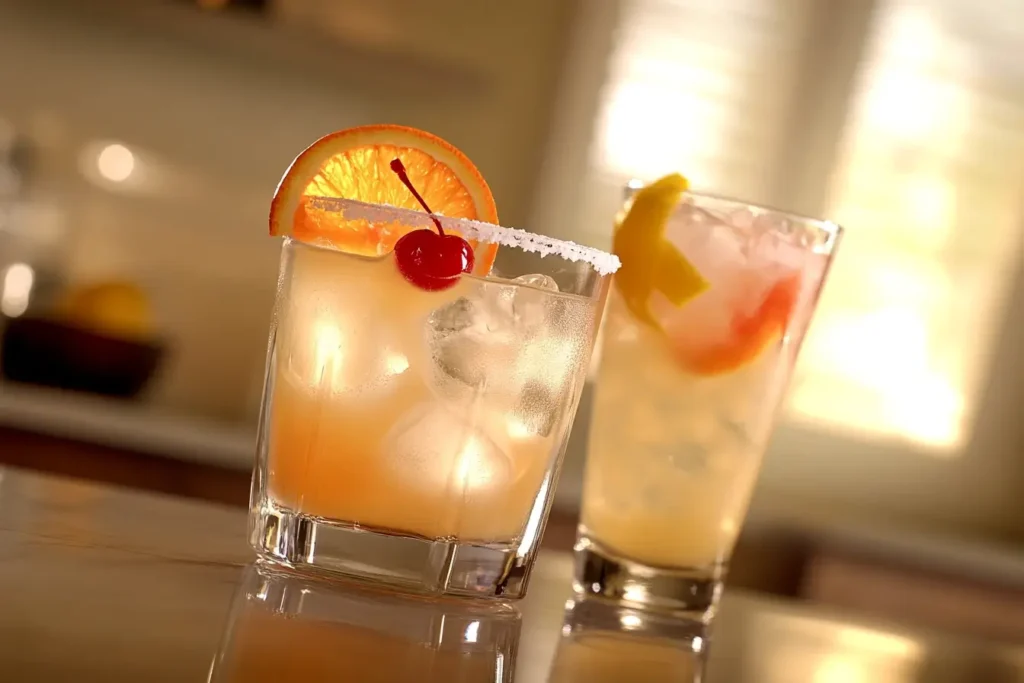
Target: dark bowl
54, 354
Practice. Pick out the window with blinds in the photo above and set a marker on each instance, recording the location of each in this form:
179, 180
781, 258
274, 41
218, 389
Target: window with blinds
711, 83
929, 187
927, 180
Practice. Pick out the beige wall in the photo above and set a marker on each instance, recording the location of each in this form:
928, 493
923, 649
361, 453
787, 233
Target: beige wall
817, 477
216, 109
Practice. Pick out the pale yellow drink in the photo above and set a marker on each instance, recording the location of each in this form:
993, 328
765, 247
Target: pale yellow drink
685, 399
667, 480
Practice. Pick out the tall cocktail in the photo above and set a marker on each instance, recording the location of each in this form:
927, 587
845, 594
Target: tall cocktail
417, 398
702, 331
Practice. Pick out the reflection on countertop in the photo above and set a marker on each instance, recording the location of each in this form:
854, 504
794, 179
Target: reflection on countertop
130, 586
284, 627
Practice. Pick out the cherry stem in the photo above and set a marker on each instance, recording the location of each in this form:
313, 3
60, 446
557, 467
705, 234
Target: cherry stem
399, 168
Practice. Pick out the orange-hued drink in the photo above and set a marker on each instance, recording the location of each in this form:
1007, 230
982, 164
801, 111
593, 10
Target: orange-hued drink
425, 413
418, 396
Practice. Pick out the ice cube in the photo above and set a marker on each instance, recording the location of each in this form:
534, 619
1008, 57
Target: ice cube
455, 317
469, 337
477, 339
436, 450
532, 302
538, 281
710, 242
743, 218
709, 439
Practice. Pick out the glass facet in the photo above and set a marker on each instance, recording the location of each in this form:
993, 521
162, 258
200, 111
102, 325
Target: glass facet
412, 436
683, 411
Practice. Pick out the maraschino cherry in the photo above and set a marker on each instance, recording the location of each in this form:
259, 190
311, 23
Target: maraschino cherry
430, 260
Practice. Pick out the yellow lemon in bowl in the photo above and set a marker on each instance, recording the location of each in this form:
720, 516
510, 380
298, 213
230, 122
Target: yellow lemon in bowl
118, 309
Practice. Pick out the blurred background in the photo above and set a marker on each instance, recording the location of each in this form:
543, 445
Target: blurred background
140, 142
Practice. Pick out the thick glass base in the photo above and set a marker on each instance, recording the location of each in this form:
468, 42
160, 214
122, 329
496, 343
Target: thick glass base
684, 593
413, 563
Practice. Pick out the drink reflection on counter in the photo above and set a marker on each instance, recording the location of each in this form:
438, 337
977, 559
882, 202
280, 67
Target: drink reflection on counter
285, 628
602, 641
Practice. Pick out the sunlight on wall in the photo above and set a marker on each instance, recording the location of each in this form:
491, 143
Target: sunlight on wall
635, 141
927, 184
685, 77
905, 326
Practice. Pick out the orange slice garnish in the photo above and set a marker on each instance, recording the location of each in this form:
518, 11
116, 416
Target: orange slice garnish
749, 333
355, 164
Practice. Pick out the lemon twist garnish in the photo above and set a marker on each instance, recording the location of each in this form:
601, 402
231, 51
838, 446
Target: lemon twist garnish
649, 261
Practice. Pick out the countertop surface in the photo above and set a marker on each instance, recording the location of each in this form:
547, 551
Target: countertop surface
99, 584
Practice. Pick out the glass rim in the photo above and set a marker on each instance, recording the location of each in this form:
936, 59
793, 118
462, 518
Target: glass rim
604, 263
831, 230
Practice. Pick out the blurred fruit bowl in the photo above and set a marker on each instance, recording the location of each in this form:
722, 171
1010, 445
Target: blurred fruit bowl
57, 354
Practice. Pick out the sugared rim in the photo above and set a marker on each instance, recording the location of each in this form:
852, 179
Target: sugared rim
601, 261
